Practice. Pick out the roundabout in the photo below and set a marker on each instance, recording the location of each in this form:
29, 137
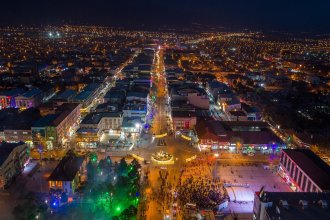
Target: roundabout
162, 157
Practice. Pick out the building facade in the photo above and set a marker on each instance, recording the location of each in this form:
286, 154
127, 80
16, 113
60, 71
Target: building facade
304, 171
13, 159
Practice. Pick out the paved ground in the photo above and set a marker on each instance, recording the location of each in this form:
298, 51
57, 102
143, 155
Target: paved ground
31, 180
245, 181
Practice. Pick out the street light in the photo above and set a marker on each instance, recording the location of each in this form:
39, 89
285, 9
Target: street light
137, 126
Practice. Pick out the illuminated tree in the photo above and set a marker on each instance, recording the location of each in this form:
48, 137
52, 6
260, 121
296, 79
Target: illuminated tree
93, 157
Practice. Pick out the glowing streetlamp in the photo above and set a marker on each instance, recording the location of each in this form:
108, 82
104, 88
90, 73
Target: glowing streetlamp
138, 126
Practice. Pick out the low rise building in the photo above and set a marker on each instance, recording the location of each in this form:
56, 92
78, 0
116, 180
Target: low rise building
68, 174
237, 115
237, 135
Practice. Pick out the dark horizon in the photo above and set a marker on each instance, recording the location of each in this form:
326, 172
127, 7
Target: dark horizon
304, 16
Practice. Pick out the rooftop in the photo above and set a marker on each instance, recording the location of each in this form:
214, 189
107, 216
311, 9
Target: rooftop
289, 205
32, 92
67, 169
6, 149
67, 94
95, 118
183, 114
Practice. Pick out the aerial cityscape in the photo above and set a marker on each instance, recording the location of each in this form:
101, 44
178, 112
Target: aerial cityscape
112, 111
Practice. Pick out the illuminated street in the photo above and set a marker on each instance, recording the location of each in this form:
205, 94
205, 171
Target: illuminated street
164, 110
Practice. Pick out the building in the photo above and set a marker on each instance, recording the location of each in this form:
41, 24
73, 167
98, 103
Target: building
68, 174
13, 158
304, 171
88, 96
64, 97
138, 96
211, 135
192, 94
183, 120
104, 121
252, 113
237, 135
215, 88
237, 115
29, 99
135, 109
16, 124
95, 125
8, 98
291, 206
54, 130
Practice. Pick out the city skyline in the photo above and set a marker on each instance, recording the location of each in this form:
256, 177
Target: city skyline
305, 16
164, 110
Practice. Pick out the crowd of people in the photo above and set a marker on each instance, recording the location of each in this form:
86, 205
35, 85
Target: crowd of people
196, 185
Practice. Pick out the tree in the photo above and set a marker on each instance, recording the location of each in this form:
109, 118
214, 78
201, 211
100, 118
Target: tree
128, 213
135, 164
91, 171
122, 167
31, 207
109, 161
93, 157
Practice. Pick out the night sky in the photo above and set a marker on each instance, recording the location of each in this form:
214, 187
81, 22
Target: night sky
303, 15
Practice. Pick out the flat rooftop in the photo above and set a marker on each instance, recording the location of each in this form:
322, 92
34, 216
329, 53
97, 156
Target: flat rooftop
294, 210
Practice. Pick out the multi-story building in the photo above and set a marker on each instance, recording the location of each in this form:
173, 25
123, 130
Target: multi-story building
252, 113
95, 125
16, 124
291, 206
18, 98
104, 121
54, 130
135, 109
192, 94
304, 171
13, 158
29, 99
183, 120
8, 98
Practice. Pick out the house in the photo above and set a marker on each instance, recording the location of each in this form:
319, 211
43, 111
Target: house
68, 174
